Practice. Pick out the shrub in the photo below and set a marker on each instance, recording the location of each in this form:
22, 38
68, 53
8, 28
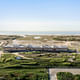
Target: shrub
65, 76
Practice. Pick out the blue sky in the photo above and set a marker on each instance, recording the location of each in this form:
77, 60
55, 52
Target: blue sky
39, 15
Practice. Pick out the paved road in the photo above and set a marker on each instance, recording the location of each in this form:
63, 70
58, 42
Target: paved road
1, 52
52, 72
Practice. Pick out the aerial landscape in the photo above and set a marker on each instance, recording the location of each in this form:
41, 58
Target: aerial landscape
39, 40
39, 57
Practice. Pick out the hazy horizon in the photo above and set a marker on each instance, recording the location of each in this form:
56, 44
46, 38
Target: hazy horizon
39, 15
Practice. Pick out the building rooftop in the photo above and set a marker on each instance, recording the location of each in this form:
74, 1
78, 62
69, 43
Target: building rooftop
35, 46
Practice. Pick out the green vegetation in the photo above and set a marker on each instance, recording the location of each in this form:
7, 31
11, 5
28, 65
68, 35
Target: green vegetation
67, 38
41, 60
23, 74
13, 69
9, 37
67, 76
35, 64
51, 37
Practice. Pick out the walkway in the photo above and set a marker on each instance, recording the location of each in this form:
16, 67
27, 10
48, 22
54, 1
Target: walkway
17, 54
54, 71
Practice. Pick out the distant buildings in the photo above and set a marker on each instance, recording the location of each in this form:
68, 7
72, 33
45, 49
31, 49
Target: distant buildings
44, 48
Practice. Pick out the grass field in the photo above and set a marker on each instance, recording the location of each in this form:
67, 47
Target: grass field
24, 74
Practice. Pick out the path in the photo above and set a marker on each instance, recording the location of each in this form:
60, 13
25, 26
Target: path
54, 71
17, 54
1, 52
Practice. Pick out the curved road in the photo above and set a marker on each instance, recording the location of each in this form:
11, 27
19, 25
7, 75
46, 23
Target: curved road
54, 71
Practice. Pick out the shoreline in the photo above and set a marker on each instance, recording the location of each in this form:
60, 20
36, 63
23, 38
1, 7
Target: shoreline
40, 33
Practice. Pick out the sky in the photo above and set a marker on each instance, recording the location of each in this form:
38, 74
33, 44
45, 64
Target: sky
39, 15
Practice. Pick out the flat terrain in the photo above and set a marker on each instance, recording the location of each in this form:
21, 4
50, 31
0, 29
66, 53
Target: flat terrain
54, 71
72, 41
36, 62
23, 74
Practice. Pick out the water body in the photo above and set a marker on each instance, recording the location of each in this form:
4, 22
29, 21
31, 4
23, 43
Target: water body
40, 33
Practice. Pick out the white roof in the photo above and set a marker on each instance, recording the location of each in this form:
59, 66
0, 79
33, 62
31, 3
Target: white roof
35, 46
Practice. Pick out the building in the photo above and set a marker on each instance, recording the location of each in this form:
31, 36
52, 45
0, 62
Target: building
44, 48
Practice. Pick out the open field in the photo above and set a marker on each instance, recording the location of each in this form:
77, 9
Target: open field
40, 60
72, 42
36, 62
23, 74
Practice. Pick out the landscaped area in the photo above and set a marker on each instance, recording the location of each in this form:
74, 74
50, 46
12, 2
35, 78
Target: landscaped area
67, 76
13, 69
23, 74
35, 64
